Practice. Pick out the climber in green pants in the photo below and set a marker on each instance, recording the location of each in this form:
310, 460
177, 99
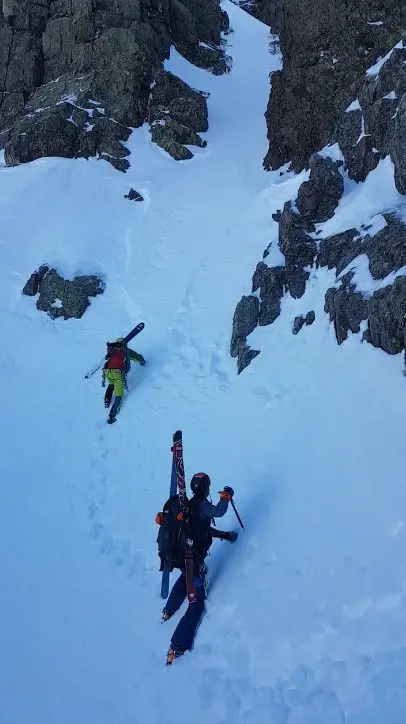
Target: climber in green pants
117, 365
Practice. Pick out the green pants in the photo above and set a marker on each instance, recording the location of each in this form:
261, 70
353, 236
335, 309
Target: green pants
115, 378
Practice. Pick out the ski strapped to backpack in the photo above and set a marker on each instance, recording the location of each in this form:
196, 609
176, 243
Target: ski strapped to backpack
175, 544
165, 563
125, 341
177, 449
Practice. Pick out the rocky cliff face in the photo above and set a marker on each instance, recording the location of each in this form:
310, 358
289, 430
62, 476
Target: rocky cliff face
370, 128
326, 46
76, 74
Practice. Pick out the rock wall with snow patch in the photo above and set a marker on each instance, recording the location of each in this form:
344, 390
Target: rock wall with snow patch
368, 256
75, 75
326, 48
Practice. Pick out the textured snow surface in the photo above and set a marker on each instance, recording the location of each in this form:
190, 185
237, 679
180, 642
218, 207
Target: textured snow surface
306, 615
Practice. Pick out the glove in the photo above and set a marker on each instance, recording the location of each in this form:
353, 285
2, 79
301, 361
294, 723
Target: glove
227, 493
231, 536
142, 362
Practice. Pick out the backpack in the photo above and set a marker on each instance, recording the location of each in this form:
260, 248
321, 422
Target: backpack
175, 527
116, 357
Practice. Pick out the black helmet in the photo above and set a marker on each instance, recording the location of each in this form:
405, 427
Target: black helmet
200, 484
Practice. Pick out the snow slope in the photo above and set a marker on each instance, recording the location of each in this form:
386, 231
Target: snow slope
306, 614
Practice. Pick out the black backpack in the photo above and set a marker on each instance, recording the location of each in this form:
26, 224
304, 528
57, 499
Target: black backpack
175, 526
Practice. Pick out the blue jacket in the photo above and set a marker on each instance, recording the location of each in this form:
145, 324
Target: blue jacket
202, 514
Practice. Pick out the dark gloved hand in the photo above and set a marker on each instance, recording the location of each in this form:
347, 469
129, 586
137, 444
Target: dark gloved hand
142, 362
231, 536
227, 493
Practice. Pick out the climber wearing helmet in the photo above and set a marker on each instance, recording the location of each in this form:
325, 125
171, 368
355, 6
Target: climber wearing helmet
117, 365
201, 513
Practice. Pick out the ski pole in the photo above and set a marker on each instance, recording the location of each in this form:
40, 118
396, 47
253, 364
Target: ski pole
236, 512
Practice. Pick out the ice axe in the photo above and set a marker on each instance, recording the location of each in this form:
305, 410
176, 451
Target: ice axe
236, 512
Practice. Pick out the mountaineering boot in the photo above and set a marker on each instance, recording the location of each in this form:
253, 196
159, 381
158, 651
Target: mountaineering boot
111, 419
172, 655
165, 615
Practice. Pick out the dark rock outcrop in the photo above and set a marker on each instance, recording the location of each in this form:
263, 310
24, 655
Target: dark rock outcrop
200, 20
271, 283
62, 120
245, 356
318, 197
387, 249
358, 149
386, 317
339, 250
31, 287
61, 297
115, 47
268, 11
177, 113
244, 322
370, 129
310, 318
324, 96
133, 195
398, 146
300, 321
346, 307
299, 250
326, 46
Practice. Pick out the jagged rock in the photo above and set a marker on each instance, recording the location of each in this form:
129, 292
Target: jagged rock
133, 195
21, 58
214, 60
366, 134
244, 322
398, 146
310, 318
31, 288
176, 114
391, 79
120, 164
271, 282
172, 96
386, 317
117, 44
339, 250
298, 247
346, 308
358, 149
268, 11
387, 249
194, 20
225, 22
245, 356
61, 120
326, 47
61, 297
318, 197
378, 123
298, 324
48, 133
302, 320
